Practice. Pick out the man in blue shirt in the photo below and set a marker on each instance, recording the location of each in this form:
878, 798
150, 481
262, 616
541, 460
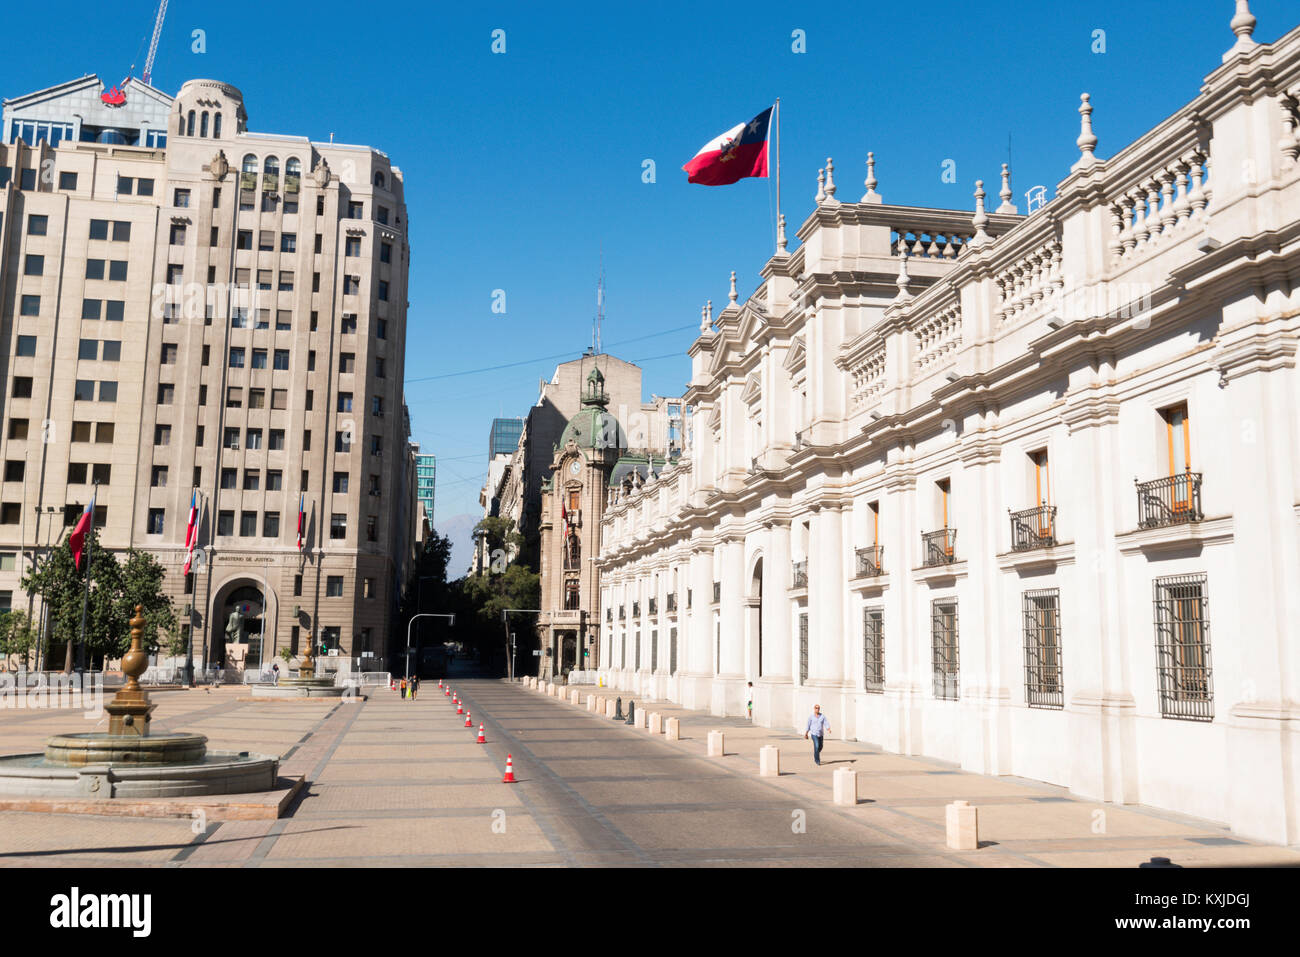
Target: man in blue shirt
817, 727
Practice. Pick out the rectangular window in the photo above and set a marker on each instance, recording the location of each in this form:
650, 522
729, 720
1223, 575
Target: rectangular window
236, 358
1182, 622
226, 522
1042, 625
943, 637
67, 181
155, 521
244, 239
345, 402
117, 270
76, 473
252, 480
114, 310
124, 185
88, 349
166, 391
168, 356
254, 438
274, 480
279, 399
340, 482
35, 266
259, 358
37, 225
349, 324
372, 529
342, 441
81, 431
177, 237
873, 649
275, 439
23, 387
281, 360
803, 648
286, 281
83, 390
385, 252
334, 586
352, 246
182, 198
111, 350
162, 435
17, 428
90, 309
231, 439
338, 526
99, 229
289, 243
229, 478
234, 397
271, 525
143, 187
30, 306
266, 240
247, 524
347, 362
14, 469
297, 586
283, 323
26, 346
104, 433
264, 279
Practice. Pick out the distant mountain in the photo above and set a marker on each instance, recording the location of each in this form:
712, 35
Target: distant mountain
458, 528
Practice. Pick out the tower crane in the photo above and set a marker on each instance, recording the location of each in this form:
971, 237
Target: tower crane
153, 43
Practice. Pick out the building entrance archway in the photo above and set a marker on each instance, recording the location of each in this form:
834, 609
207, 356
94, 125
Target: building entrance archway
243, 618
754, 619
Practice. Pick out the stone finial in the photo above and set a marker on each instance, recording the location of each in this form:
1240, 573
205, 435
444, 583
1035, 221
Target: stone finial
732, 295
981, 218
1243, 25
1087, 141
708, 311
704, 322
904, 294
870, 196
1007, 206
821, 187
780, 235
830, 181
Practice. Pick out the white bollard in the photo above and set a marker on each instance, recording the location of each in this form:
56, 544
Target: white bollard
963, 826
610, 708
769, 761
717, 744
845, 785
643, 719
575, 697
673, 729
656, 725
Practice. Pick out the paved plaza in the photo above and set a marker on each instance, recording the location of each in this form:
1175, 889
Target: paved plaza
402, 783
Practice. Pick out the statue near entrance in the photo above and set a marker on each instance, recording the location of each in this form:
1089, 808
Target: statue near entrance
235, 627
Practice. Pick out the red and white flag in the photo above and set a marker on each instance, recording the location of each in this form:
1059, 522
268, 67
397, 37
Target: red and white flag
736, 154
191, 531
78, 537
302, 523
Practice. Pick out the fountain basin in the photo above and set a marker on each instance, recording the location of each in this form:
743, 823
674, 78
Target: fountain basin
300, 688
79, 750
217, 772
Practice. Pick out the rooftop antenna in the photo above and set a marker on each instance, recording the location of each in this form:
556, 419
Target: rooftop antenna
600, 305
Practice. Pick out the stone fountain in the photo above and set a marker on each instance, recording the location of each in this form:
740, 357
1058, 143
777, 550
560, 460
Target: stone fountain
306, 685
127, 761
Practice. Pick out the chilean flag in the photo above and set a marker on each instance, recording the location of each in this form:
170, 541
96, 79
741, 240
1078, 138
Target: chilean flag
191, 531
737, 153
302, 523
78, 537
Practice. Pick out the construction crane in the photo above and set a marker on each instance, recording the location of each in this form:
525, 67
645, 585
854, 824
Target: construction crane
153, 43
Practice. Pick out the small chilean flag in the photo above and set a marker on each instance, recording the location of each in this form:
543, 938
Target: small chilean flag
78, 537
737, 153
302, 522
191, 531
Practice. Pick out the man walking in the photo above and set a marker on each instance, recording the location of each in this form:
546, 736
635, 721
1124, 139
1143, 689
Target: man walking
817, 728
749, 699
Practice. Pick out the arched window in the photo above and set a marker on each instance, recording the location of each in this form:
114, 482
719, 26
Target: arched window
216, 126
250, 163
573, 552
189, 127
293, 166
379, 179
203, 125
271, 167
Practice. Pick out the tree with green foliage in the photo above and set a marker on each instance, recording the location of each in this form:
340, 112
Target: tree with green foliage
17, 637
115, 590
502, 542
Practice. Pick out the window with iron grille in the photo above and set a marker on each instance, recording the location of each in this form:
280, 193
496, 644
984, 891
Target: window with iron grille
1042, 614
638, 651
873, 649
803, 648
1182, 622
654, 649
943, 638
672, 651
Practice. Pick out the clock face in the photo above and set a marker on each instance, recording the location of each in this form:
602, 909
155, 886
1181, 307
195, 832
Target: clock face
574, 468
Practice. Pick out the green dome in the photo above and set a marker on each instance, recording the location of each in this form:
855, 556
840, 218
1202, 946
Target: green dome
594, 428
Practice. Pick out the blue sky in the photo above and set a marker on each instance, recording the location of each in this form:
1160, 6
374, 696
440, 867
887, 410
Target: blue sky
522, 167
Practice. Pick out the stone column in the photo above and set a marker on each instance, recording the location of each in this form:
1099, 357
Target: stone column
732, 610
697, 635
773, 701
826, 591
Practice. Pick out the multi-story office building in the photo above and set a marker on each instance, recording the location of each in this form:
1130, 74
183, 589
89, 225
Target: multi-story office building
222, 312
1014, 491
504, 436
426, 473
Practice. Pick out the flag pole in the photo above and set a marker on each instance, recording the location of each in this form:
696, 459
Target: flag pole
777, 118
85, 598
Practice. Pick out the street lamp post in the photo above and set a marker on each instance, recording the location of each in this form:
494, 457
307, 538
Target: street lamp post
451, 620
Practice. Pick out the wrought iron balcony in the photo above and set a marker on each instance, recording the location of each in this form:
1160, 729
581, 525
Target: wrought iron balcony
799, 574
1172, 500
1033, 528
636, 609
654, 606
871, 561
939, 547
672, 601
622, 612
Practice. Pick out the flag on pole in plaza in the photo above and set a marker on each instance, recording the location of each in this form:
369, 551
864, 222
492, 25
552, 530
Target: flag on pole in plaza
302, 522
191, 531
564, 517
736, 154
78, 537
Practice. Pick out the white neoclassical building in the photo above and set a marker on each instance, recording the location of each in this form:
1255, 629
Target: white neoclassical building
1016, 491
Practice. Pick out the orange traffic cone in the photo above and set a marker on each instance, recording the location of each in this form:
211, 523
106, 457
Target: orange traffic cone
468, 722
460, 709
439, 682
481, 739
510, 771
447, 693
